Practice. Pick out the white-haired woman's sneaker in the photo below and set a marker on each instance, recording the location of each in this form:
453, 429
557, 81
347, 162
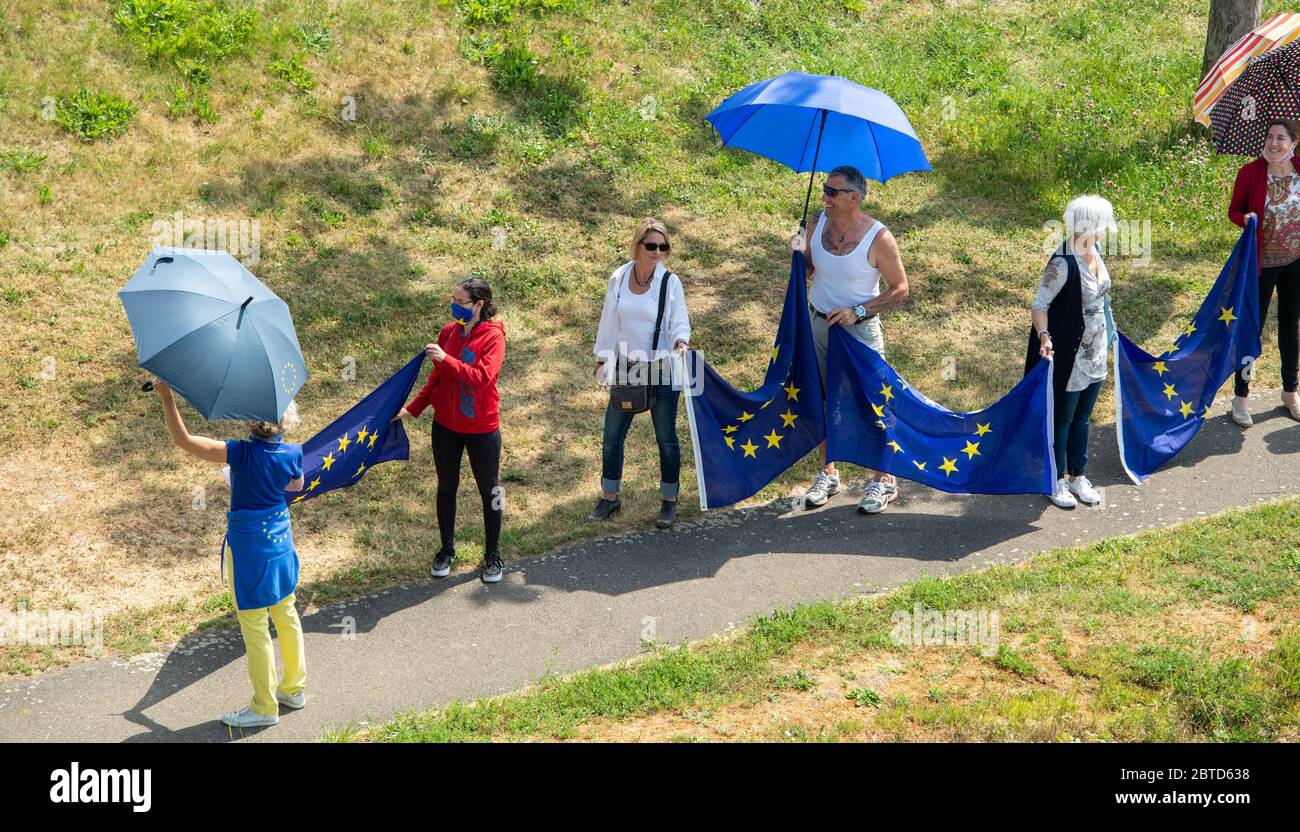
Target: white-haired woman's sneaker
1062, 496
1083, 490
291, 700
880, 493
246, 718
823, 488
1240, 413
1291, 403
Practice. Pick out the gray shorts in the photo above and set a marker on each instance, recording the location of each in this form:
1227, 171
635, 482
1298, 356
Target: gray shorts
869, 332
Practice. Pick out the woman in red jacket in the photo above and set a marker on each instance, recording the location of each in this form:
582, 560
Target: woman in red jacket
1269, 189
463, 391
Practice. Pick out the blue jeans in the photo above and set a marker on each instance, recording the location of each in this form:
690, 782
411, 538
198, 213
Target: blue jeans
1073, 420
664, 417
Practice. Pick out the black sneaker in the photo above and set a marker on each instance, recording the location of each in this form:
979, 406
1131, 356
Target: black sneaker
442, 564
667, 514
492, 568
604, 508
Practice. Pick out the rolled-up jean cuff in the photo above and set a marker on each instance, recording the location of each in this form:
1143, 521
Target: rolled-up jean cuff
669, 489
611, 486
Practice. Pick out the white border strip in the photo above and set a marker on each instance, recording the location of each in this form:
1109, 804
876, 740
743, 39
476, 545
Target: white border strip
695, 437
1119, 416
1051, 423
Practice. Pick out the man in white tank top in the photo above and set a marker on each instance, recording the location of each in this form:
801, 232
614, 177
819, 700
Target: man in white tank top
849, 254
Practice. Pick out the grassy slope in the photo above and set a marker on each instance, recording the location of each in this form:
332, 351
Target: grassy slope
475, 116
1180, 634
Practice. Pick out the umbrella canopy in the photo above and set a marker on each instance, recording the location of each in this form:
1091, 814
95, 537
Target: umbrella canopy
1268, 89
222, 340
819, 122
1278, 30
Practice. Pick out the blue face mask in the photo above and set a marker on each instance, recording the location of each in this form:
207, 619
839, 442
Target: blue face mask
461, 313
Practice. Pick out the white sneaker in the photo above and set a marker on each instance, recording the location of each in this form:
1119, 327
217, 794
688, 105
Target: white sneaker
1240, 413
880, 493
823, 488
295, 701
246, 718
1062, 496
1081, 488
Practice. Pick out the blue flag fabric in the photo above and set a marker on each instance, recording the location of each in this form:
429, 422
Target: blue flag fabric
360, 439
876, 420
744, 440
1160, 403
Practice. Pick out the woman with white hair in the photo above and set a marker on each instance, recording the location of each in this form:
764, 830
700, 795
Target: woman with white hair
259, 559
1072, 323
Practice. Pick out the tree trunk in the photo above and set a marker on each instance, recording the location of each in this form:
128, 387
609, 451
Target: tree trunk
1229, 20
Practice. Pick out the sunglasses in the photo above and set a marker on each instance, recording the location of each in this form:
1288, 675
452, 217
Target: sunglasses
829, 191
655, 246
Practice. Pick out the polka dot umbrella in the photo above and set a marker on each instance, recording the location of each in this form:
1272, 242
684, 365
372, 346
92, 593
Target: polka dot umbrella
1268, 89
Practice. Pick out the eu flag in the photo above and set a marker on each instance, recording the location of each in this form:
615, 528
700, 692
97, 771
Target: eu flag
743, 441
1160, 403
360, 439
876, 420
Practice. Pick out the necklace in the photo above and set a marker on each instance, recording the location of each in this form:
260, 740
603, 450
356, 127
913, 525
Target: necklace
639, 281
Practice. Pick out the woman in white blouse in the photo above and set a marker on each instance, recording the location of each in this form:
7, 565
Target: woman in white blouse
626, 330
1072, 309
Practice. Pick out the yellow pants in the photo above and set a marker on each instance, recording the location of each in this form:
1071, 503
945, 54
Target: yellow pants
261, 655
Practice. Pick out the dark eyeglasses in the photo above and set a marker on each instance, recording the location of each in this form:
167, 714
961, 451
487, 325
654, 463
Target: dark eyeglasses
655, 246
829, 191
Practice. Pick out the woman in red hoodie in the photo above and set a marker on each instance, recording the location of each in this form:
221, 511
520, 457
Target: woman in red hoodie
1269, 189
463, 391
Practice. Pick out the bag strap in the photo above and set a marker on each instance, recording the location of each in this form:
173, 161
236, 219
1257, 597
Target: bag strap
659, 318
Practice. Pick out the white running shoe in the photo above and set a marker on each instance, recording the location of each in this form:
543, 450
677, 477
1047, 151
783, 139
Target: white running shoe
246, 718
295, 701
823, 488
880, 493
1240, 413
1062, 496
1083, 490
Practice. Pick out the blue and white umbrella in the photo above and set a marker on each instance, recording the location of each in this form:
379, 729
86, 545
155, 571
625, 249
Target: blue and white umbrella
210, 329
819, 122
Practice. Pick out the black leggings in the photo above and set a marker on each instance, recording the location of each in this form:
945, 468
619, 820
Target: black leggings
485, 461
1287, 280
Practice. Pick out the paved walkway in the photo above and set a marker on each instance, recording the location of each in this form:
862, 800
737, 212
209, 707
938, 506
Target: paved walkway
429, 642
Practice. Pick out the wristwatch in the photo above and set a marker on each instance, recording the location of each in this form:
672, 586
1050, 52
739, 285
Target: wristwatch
860, 311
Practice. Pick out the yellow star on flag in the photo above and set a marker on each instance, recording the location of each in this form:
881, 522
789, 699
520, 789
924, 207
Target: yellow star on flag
1170, 392
776, 348
344, 442
773, 440
327, 461
731, 441
791, 392
897, 447
920, 465
1160, 368
749, 448
948, 466
887, 391
362, 434
1227, 317
971, 450
296, 499
359, 470
880, 411
788, 418
766, 403
745, 416
1191, 327
880, 423
980, 430
373, 437
730, 429
1187, 410
1205, 414
314, 483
